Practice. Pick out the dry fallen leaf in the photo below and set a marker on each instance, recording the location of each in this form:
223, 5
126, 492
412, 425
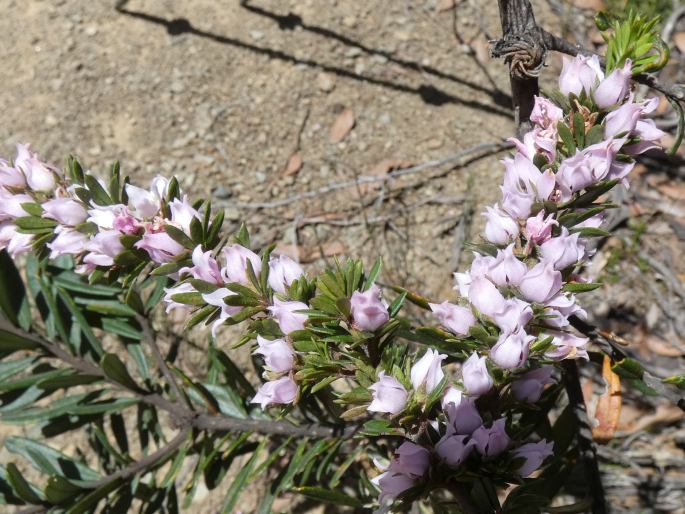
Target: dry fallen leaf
342, 125
293, 165
608, 409
675, 191
679, 40
659, 346
664, 415
306, 254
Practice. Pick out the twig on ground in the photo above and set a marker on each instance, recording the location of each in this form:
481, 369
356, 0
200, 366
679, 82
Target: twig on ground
461, 158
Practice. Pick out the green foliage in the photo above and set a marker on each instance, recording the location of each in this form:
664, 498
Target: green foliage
635, 37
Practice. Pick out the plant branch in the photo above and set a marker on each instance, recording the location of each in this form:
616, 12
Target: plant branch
588, 453
151, 341
182, 415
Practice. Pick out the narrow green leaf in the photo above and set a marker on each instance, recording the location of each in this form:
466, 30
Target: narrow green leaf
328, 496
24, 490
97, 192
116, 370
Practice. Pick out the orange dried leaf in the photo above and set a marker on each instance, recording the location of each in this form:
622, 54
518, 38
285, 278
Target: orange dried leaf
342, 125
608, 409
293, 165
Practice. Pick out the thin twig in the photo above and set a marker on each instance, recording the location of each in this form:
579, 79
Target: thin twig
151, 341
461, 158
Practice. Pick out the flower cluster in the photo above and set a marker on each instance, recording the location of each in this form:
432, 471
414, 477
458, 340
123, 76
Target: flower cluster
520, 288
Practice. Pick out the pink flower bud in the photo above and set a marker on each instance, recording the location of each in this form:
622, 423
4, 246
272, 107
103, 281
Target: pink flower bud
217, 298
389, 395
452, 397
280, 391
464, 418
65, 211
562, 306
39, 176
541, 283
614, 88
500, 228
116, 217
534, 455
67, 242
183, 287
368, 310
529, 387
11, 205
517, 204
511, 350
579, 73
622, 120
475, 376
11, 177
564, 250
182, 214
103, 247
392, 484
454, 449
288, 320
545, 113
160, 246
491, 441
236, 258
428, 370
457, 319
144, 203
15, 242
283, 271
204, 267
486, 297
587, 167
567, 346
278, 355
507, 269
514, 314
411, 460
521, 176
538, 228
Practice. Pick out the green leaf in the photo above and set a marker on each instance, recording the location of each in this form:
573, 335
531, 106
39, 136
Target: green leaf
12, 292
373, 274
35, 225
116, 370
58, 490
179, 236
109, 307
24, 490
169, 268
48, 460
566, 137
122, 327
97, 192
89, 501
11, 342
628, 368
328, 496
581, 287
240, 481
34, 209
188, 298
243, 236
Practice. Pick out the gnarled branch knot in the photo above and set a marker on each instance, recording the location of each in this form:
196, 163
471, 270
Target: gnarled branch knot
524, 53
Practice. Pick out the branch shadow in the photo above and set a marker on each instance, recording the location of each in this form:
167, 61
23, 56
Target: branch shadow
291, 21
430, 94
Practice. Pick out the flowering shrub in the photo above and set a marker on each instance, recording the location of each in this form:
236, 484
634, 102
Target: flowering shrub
450, 418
